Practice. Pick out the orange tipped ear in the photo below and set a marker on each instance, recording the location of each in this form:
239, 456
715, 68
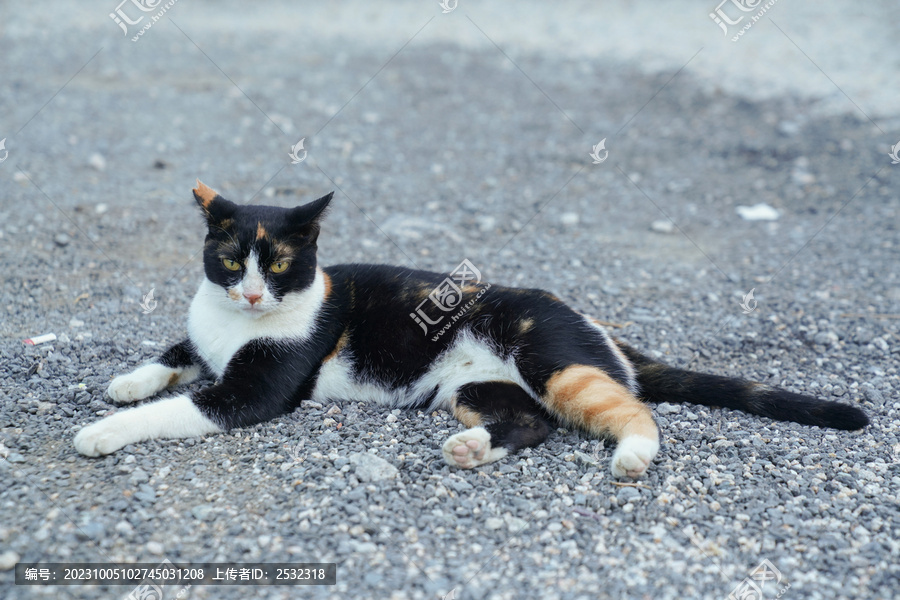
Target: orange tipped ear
204, 194
214, 206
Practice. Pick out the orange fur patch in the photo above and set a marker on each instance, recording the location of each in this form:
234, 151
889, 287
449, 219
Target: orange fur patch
342, 341
205, 193
173, 379
591, 399
234, 295
260, 231
526, 325
327, 284
466, 415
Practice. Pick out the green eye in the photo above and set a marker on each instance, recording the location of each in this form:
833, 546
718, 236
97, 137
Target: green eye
231, 265
280, 266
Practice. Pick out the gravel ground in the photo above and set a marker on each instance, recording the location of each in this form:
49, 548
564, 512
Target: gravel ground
458, 148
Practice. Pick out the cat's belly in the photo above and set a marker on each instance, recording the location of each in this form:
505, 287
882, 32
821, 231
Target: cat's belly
468, 360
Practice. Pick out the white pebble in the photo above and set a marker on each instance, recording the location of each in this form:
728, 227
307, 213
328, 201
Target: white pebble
155, 548
758, 212
124, 527
487, 223
569, 219
97, 161
662, 226
8, 560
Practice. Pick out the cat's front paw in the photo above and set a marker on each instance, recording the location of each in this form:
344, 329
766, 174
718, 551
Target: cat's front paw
140, 384
471, 448
103, 437
633, 456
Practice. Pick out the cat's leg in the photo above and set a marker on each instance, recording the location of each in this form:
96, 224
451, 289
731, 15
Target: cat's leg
178, 365
589, 398
176, 417
502, 419
259, 384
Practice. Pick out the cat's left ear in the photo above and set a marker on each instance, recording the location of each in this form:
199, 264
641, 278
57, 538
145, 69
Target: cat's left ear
309, 214
216, 208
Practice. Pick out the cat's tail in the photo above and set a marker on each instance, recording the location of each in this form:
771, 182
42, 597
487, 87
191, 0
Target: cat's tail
662, 383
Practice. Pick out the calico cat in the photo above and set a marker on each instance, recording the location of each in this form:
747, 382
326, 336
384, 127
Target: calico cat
274, 328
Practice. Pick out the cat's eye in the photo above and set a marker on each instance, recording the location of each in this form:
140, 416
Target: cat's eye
280, 266
231, 265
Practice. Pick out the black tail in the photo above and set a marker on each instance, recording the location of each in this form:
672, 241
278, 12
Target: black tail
662, 383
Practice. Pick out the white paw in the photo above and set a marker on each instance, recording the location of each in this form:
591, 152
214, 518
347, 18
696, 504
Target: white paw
103, 437
633, 456
140, 384
471, 448
171, 418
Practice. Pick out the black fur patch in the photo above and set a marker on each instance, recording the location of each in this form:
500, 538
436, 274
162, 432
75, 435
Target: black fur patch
662, 383
512, 417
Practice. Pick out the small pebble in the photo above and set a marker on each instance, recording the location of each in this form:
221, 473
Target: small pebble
96, 161
155, 548
569, 219
662, 226
8, 560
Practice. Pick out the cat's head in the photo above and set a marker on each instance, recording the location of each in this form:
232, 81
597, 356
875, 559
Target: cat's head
259, 255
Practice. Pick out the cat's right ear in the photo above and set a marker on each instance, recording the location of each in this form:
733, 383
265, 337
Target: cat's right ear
215, 207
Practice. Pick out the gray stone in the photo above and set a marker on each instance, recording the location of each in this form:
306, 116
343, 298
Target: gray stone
368, 467
203, 512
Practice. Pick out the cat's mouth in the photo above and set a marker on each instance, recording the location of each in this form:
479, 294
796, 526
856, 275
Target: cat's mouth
254, 309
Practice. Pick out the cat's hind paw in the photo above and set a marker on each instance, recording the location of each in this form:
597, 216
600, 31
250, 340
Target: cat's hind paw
471, 448
633, 456
141, 383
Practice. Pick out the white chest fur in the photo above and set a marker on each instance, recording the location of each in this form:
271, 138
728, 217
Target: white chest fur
218, 329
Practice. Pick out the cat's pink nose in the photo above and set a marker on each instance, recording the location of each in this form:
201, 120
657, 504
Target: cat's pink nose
253, 297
